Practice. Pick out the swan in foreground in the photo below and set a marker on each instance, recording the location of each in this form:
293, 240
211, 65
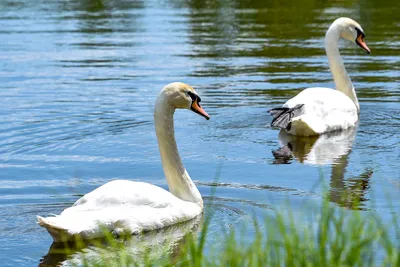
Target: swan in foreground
126, 207
318, 110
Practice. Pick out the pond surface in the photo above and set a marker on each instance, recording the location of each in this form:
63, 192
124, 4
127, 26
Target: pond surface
79, 80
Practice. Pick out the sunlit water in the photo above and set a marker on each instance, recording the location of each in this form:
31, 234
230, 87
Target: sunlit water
78, 85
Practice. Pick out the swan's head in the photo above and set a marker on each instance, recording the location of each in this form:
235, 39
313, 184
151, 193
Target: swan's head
352, 31
181, 95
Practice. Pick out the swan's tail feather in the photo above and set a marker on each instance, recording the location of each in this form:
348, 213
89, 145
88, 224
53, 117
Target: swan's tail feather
57, 233
282, 116
78, 226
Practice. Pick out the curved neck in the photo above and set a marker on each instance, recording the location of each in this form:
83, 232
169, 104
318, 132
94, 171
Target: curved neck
178, 179
339, 73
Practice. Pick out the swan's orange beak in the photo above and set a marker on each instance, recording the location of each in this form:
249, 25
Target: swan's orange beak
360, 41
198, 109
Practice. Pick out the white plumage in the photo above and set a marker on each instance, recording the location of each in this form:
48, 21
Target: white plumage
325, 110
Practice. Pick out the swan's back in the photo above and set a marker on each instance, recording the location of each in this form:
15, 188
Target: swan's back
121, 192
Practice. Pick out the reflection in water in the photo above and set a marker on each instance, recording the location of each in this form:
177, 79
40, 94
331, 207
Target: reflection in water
161, 244
328, 149
323, 150
349, 193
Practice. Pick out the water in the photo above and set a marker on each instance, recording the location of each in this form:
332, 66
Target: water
78, 85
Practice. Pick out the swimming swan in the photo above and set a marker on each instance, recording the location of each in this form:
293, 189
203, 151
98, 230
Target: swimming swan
126, 207
318, 110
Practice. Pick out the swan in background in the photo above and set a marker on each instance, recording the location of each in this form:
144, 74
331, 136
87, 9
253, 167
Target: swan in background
126, 207
318, 110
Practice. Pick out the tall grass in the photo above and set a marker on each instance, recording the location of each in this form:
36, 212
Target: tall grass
328, 236
324, 235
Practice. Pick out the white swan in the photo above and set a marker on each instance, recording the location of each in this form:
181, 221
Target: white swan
318, 110
126, 207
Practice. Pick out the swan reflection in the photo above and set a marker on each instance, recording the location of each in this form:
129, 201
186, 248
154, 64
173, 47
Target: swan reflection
160, 244
328, 149
325, 149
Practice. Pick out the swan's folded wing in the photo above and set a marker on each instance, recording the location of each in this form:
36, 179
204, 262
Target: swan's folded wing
124, 192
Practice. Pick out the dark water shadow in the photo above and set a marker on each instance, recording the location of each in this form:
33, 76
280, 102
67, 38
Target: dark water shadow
329, 149
160, 244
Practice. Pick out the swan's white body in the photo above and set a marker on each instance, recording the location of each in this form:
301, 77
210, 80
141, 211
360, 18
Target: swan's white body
127, 207
120, 207
324, 109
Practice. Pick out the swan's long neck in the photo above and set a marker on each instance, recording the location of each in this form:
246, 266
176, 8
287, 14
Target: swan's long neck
342, 80
178, 179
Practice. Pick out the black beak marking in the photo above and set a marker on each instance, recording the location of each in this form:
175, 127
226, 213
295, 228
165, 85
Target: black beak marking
359, 32
195, 98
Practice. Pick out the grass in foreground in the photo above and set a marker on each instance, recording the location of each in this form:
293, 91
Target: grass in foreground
324, 236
